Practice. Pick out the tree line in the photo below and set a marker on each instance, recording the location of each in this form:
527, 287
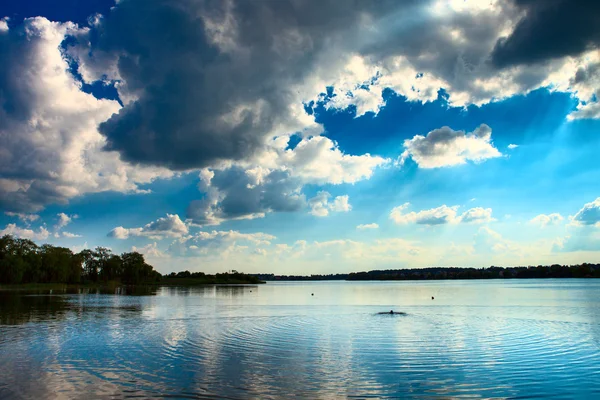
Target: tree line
23, 261
541, 271
187, 278
585, 270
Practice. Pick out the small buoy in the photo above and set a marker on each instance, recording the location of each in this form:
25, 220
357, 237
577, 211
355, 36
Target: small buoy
251, 291
312, 294
431, 297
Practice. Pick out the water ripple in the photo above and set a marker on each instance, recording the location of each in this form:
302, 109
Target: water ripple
203, 347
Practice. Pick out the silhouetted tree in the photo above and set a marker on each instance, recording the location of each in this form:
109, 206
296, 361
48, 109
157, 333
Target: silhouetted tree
22, 261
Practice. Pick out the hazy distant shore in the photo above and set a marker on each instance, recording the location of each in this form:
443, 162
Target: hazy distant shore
585, 270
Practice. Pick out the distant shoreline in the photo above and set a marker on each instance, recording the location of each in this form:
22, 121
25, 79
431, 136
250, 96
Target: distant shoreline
585, 270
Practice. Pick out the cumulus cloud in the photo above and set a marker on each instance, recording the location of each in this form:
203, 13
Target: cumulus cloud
451, 48
169, 226
549, 30
363, 227
28, 218
219, 81
51, 150
584, 239
589, 214
150, 250
234, 193
320, 205
64, 220
512, 146
445, 147
252, 65
273, 180
435, 216
440, 215
590, 110
221, 242
340, 204
12, 229
487, 240
586, 83
319, 160
70, 235
383, 251
544, 220
477, 215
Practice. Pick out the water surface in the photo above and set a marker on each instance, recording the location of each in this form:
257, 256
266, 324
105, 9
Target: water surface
476, 339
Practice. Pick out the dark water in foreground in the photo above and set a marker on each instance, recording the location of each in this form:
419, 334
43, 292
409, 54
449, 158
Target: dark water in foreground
477, 339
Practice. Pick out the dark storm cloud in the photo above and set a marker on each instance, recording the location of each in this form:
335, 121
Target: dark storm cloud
550, 29
232, 194
213, 78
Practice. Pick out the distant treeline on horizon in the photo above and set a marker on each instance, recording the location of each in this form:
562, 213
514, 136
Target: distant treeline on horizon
440, 273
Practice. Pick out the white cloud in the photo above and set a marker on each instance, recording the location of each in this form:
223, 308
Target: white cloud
477, 215
25, 233
70, 235
319, 160
451, 50
544, 220
260, 252
435, 216
441, 215
169, 226
513, 146
589, 214
320, 205
363, 227
51, 149
340, 204
64, 220
586, 238
222, 243
273, 180
445, 147
486, 240
23, 217
150, 250
586, 83
590, 110
383, 252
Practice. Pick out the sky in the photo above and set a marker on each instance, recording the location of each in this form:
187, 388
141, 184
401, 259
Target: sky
304, 137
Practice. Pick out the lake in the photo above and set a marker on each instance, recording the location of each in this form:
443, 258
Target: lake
479, 339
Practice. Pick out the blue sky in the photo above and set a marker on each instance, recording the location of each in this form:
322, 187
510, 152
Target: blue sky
321, 139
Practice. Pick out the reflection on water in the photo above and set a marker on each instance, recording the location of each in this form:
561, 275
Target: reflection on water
476, 339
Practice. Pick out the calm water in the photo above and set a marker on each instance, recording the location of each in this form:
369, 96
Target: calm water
480, 339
